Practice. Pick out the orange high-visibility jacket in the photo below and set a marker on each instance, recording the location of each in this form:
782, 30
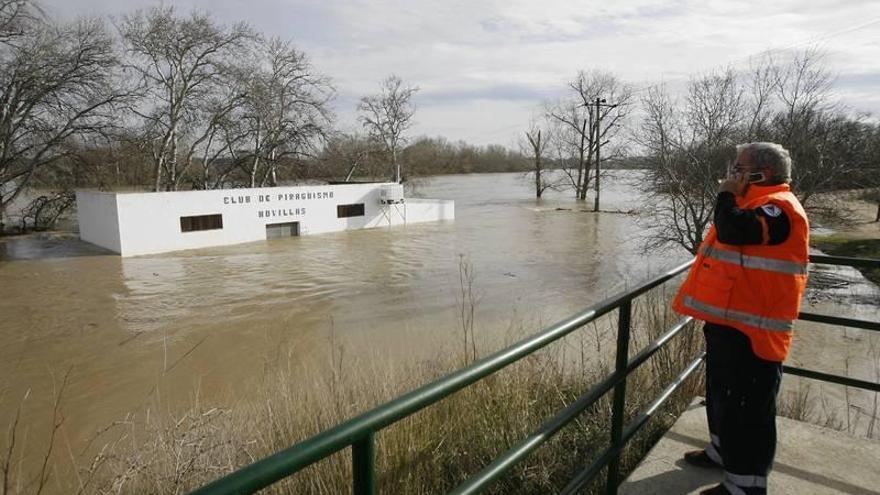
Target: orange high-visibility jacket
756, 289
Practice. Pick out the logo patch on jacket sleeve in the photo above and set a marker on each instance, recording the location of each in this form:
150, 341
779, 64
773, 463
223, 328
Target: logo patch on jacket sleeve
772, 210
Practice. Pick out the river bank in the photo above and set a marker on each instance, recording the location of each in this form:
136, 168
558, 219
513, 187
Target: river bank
851, 231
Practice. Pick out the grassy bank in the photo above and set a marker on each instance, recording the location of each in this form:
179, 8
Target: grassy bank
839, 245
430, 452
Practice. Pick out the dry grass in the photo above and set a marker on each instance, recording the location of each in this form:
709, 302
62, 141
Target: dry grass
429, 452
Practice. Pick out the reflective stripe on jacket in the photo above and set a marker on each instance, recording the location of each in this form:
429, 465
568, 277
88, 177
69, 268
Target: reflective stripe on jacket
754, 288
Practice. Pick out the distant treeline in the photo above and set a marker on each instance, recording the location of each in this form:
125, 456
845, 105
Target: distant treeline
125, 167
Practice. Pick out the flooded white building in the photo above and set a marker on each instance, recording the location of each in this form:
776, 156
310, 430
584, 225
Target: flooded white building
134, 224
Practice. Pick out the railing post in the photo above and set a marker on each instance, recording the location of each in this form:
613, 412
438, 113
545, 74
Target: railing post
363, 463
617, 411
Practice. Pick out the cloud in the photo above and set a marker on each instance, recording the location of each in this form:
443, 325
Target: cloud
863, 80
505, 56
503, 92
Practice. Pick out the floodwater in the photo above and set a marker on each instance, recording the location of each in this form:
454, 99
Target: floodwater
128, 329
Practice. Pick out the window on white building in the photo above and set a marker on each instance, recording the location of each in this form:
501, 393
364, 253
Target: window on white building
201, 222
345, 211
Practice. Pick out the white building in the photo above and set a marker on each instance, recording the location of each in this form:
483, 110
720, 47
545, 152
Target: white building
134, 224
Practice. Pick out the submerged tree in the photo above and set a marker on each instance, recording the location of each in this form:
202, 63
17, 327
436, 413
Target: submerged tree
536, 145
589, 118
386, 116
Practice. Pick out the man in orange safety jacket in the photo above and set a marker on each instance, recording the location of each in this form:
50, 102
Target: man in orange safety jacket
746, 284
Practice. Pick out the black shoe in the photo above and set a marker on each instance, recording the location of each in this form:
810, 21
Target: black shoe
701, 459
715, 490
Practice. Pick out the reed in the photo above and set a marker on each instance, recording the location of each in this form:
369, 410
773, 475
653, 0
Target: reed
169, 449
429, 452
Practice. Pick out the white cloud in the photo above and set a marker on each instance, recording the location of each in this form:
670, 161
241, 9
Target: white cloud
478, 62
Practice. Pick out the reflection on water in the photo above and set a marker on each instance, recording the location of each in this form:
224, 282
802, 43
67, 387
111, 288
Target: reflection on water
128, 328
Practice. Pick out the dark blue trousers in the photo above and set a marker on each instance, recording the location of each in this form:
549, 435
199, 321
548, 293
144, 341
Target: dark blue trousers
741, 393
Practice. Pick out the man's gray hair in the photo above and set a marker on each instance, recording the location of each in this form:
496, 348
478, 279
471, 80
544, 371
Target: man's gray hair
769, 155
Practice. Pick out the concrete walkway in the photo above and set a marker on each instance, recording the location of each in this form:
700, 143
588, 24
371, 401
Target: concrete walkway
809, 460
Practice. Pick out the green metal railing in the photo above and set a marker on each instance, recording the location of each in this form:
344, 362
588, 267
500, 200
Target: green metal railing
360, 432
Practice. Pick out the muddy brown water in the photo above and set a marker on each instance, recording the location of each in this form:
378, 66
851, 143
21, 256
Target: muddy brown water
129, 329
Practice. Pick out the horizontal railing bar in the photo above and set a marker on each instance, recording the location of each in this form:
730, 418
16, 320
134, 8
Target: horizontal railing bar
655, 346
823, 259
837, 320
522, 449
290, 460
825, 377
596, 467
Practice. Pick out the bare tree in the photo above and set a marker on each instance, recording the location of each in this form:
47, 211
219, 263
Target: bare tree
348, 154
214, 139
803, 86
286, 109
179, 62
715, 108
387, 115
785, 99
759, 96
688, 151
536, 145
807, 122
17, 18
582, 126
55, 86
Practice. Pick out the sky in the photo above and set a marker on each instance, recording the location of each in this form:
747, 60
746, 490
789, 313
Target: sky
484, 67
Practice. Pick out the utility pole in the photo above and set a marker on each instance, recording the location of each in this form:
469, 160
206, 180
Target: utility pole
600, 102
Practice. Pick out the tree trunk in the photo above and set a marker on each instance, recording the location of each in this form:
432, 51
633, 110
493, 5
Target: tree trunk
158, 174
538, 190
580, 192
351, 171
257, 150
270, 172
254, 171
172, 164
589, 145
395, 165
536, 145
273, 168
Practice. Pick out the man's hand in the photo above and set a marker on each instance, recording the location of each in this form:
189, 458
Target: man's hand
736, 185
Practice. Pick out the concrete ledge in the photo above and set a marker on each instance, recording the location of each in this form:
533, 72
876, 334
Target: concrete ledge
809, 460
